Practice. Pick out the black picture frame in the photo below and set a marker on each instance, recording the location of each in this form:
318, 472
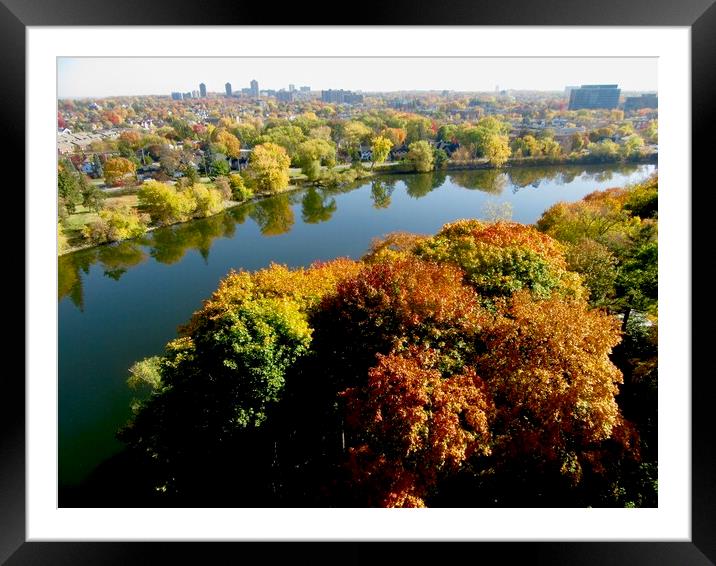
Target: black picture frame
699, 15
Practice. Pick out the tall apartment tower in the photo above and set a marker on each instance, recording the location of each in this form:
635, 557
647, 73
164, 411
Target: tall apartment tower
254, 88
227, 87
202, 90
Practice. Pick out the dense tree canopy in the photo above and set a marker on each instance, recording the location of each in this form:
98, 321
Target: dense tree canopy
467, 358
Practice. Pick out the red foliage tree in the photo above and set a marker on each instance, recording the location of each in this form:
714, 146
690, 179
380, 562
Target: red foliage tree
412, 426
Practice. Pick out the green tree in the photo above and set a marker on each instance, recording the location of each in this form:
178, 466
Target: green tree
632, 147
417, 129
311, 153
637, 281
68, 190
219, 168
92, 196
420, 154
288, 137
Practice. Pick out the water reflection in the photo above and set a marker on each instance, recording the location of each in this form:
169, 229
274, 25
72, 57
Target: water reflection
316, 206
381, 191
169, 245
492, 181
69, 278
420, 184
276, 215
118, 258
521, 177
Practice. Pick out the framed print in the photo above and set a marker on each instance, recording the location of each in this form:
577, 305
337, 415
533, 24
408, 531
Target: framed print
298, 275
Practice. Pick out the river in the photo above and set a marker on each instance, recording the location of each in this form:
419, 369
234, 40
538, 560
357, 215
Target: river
121, 303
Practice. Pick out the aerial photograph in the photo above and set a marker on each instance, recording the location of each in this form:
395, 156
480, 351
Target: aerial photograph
352, 282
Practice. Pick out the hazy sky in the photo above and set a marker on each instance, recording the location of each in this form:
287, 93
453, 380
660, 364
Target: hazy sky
106, 76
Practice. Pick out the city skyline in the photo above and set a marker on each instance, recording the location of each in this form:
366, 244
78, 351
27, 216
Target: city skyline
105, 77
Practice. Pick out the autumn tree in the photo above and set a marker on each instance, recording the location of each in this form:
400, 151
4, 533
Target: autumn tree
395, 304
380, 148
115, 224
546, 364
165, 204
239, 190
214, 387
411, 426
268, 167
226, 143
395, 135
501, 258
117, 169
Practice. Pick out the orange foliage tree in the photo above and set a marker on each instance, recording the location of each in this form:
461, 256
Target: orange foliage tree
547, 367
411, 426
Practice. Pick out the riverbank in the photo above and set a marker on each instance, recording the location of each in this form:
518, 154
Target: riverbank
226, 205
300, 182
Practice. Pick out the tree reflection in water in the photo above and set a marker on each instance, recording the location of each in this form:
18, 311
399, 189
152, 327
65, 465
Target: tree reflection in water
316, 207
381, 191
274, 216
492, 181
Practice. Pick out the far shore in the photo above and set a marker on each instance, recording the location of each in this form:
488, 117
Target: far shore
392, 168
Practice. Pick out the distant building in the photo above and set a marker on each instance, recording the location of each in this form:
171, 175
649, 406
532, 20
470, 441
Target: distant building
285, 95
594, 96
644, 101
291, 88
202, 90
254, 88
341, 96
195, 94
227, 87
568, 91
187, 95
305, 89
176, 96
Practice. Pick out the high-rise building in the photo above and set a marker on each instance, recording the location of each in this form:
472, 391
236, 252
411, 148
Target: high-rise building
594, 96
254, 88
187, 95
291, 88
305, 89
643, 101
202, 90
227, 87
341, 96
176, 96
285, 95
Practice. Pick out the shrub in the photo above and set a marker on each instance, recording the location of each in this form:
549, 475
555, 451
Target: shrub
114, 225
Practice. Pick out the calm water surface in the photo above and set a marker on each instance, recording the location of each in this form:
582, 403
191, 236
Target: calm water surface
121, 303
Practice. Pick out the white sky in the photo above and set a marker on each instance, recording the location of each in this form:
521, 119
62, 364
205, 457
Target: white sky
105, 76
